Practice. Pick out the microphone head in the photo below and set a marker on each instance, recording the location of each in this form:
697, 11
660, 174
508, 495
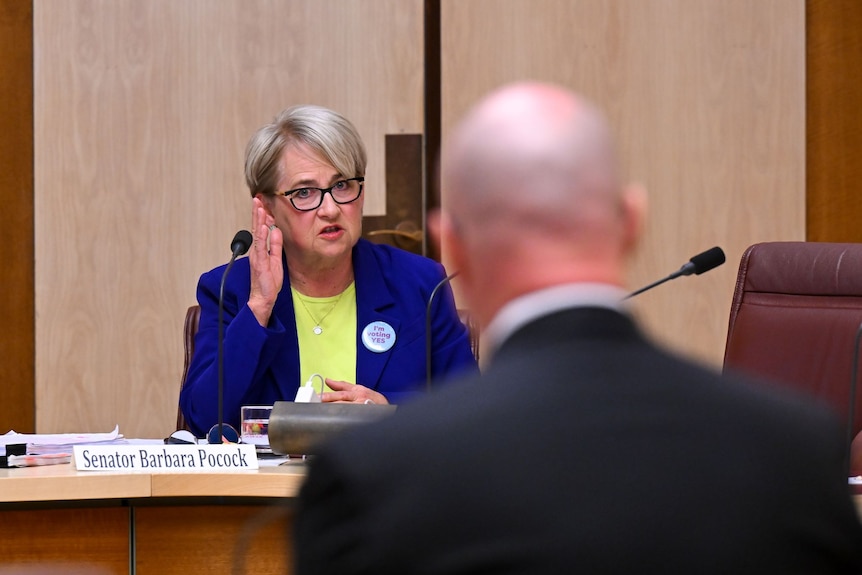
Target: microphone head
705, 261
241, 242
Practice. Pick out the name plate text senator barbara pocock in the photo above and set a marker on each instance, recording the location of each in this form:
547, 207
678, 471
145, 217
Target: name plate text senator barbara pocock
173, 458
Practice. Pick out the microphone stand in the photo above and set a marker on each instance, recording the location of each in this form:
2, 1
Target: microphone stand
241, 243
440, 284
674, 275
221, 348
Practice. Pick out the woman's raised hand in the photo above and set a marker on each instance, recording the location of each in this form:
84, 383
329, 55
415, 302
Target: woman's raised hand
267, 271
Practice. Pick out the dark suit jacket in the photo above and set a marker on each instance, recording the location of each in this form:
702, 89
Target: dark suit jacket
585, 449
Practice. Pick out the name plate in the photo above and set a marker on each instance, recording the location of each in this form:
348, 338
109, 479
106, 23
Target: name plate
172, 458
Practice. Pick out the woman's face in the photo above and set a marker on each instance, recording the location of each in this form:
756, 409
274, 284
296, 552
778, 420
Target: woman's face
322, 237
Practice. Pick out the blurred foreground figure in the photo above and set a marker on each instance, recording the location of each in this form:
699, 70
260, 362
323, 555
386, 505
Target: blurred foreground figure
584, 447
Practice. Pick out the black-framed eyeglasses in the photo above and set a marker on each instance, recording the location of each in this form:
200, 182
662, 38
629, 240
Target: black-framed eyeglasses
342, 192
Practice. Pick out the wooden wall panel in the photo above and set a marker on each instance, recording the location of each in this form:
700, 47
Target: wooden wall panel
142, 110
142, 113
17, 336
708, 101
834, 120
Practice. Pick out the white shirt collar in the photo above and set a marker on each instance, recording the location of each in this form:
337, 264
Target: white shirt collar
526, 308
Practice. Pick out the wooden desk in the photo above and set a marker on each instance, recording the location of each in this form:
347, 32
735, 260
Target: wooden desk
56, 519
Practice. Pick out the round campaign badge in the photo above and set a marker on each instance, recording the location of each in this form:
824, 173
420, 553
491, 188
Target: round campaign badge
378, 336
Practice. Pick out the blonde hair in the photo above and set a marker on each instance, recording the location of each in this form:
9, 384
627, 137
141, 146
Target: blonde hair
321, 129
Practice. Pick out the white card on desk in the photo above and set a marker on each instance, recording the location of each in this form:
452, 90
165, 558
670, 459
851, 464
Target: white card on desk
170, 458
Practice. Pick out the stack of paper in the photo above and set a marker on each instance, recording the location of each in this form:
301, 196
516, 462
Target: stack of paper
53, 443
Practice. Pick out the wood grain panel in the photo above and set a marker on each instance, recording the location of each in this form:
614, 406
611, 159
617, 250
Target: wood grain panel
251, 539
75, 541
834, 120
142, 113
17, 338
708, 102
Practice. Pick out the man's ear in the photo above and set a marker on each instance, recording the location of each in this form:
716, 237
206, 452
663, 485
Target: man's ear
444, 234
634, 206
434, 228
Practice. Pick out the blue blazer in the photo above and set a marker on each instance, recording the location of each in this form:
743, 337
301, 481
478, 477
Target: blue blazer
261, 365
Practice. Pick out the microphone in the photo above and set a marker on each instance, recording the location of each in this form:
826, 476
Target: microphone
702, 262
238, 246
440, 284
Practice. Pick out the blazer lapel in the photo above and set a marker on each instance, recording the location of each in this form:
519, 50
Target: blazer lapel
374, 302
287, 371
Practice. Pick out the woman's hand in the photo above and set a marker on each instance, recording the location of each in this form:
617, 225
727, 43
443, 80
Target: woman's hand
267, 272
346, 392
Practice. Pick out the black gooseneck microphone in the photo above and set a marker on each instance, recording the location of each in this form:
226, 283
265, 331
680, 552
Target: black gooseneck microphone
702, 262
239, 245
439, 285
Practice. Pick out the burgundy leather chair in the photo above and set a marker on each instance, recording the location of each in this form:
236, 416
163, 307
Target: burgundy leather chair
190, 328
797, 308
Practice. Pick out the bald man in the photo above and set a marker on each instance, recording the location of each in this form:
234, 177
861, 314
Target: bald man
583, 447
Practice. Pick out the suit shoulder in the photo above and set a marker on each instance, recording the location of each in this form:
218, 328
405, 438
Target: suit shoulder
785, 401
773, 411
239, 275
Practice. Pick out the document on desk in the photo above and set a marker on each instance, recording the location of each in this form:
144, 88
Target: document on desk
51, 443
36, 460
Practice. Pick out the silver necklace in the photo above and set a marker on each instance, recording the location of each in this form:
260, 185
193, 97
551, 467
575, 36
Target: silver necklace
317, 327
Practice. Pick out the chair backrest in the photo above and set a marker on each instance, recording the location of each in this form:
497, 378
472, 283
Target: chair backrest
190, 328
796, 310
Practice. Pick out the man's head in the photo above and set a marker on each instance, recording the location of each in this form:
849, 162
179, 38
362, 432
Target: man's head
532, 197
